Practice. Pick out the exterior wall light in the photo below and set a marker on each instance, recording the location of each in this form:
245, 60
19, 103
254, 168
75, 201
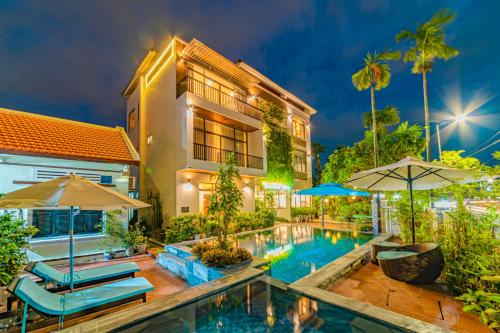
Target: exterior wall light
188, 186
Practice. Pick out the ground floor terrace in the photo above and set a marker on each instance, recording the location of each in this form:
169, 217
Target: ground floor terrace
255, 295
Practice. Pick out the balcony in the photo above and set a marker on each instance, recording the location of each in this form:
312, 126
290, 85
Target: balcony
217, 96
213, 154
300, 175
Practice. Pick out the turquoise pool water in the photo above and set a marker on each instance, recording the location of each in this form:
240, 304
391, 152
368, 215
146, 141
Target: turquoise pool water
257, 306
296, 251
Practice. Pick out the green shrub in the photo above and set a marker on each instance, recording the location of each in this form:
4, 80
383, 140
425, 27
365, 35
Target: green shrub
242, 254
219, 258
182, 228
485, 305
349, 211
213, 255
303, 211
210, 228
201, 248
470, 249
13, 244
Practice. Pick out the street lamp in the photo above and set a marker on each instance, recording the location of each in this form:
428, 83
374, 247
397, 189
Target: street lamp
458, 119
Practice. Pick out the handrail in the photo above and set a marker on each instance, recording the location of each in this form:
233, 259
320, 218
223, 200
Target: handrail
219, 155
217, 96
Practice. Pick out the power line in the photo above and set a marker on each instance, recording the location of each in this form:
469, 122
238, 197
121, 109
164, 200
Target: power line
484, 143
488, 146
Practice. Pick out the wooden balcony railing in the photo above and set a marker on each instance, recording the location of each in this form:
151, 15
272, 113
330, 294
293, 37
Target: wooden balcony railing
212, 154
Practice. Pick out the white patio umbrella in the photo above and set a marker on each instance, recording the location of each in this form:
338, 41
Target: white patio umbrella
69, 192
411, 174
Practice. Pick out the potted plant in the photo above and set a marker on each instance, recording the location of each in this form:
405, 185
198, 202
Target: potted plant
133, 240
114, 231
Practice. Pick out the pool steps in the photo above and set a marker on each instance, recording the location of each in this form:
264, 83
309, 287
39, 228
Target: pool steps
185, 265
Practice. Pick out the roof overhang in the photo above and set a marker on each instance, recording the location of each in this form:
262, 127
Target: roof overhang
285, 93
213, 60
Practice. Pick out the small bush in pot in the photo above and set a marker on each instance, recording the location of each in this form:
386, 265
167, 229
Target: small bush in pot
242, 254
201, 248
219, 258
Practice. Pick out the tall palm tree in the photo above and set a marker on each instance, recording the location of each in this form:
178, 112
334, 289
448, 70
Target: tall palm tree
375, 75
317, 149
388, 116
429, 44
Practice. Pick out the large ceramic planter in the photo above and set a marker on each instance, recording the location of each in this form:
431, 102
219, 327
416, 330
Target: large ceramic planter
141, 249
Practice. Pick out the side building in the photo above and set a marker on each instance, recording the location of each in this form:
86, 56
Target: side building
188, 107
36, 148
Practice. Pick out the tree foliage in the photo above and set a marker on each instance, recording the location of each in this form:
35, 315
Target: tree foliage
317, 149
226, 199
13, 245
375, 72
388, 116
404, 141
428, 42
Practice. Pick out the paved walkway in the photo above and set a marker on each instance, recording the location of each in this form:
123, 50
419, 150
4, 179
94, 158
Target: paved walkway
370, 285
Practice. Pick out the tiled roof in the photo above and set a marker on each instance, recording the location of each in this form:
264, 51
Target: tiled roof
31, 134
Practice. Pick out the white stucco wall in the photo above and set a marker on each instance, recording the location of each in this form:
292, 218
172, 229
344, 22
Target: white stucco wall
17, 172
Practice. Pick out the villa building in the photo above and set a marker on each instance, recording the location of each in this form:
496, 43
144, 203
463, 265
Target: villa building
188, 107
36, 148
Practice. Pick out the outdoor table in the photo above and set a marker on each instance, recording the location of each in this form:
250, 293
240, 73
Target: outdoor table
379, 246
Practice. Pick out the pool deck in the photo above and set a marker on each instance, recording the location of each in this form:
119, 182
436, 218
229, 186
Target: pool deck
369, 284
165, 283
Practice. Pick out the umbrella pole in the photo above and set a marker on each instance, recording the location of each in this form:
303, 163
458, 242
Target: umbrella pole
323, 213
71, 250
410, 182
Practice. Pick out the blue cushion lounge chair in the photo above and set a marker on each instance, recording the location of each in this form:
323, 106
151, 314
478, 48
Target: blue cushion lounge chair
84, 277
78, 303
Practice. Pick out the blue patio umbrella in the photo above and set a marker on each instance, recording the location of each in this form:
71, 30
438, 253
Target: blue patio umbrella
330, 189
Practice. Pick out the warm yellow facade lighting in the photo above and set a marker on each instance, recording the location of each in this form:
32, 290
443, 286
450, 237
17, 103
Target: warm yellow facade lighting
166, 56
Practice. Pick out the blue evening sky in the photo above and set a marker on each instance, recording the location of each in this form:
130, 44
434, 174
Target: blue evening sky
71, 59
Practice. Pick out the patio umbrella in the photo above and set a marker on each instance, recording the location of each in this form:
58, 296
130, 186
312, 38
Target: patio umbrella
410, 174
69, 192
330, 189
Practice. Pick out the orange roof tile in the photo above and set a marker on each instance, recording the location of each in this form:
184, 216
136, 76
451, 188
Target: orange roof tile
32, 134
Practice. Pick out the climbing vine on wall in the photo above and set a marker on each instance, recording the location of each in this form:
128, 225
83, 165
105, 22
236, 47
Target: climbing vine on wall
278, 145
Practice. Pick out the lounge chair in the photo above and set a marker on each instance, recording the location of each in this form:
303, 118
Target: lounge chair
71, 305
416, 264
84, 277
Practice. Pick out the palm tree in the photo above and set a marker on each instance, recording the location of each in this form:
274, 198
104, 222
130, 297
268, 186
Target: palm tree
375, 75
388, 116
428, 45
317, 149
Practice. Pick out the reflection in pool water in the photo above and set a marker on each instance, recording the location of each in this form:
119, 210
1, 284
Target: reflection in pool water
296, 251
257, 306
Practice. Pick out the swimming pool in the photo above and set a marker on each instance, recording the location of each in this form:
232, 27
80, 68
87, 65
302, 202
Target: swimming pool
296, 251
257, 306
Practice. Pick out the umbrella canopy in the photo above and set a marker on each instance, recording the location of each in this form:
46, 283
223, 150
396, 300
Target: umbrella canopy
410, 174
69, 192
397, 176
333, 189
330, 189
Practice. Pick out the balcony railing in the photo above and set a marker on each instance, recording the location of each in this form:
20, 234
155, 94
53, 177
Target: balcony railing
212, 154
300, 175
217, 96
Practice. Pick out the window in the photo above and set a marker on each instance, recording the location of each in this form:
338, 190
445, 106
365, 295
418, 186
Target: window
301, 200
132, 120
279, 197
300, 164
106, 180
213, 141
299, 128
51, 223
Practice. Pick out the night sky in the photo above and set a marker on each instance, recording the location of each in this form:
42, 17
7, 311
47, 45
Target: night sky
72, 59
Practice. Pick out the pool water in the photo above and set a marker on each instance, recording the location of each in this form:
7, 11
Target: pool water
296, 251
257, 306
